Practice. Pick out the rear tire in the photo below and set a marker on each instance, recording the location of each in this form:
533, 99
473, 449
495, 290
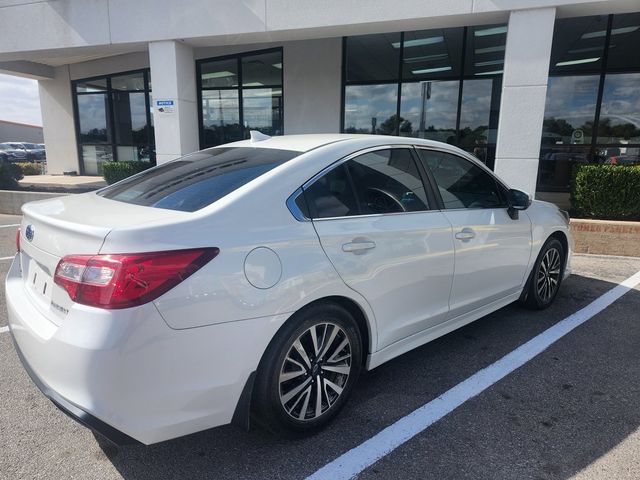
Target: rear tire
308, 370
546, 276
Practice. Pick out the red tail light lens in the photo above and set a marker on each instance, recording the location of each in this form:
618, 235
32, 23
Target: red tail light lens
18, 240
127, 280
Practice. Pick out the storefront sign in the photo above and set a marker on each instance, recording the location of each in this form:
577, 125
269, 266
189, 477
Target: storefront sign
165, 106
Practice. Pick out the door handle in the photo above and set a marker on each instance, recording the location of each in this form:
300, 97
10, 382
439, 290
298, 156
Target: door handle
358, 246
465, 234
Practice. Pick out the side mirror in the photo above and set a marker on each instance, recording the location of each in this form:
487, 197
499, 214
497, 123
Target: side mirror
517, 200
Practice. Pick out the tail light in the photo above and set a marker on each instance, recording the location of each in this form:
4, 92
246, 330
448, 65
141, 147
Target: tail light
18, 240
127, 280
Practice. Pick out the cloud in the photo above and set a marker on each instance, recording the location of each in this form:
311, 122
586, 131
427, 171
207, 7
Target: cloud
19, 100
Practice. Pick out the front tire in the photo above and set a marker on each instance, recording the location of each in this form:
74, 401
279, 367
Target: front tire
308, 370
546, 276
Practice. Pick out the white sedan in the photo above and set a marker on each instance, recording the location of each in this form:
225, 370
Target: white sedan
257, 279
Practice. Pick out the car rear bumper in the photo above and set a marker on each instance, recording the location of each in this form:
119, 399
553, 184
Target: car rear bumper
127, 374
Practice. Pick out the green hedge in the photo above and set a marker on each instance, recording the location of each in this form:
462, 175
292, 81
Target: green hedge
115, 171
9, 176
606, 192
29, 168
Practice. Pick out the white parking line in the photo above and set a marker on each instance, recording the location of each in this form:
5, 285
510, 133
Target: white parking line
7, 258
12, 225
4, 329
357, 459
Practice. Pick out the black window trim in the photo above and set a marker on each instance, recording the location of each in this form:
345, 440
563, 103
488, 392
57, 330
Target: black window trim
500, 185
432, 197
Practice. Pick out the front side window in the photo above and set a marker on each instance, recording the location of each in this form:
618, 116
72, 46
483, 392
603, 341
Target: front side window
461, 183
197, 180
378, 182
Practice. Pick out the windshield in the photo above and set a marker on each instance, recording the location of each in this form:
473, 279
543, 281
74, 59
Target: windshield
197, 180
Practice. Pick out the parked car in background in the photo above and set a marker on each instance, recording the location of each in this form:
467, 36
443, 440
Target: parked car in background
257, 279
623, 160
13, 152
35, 151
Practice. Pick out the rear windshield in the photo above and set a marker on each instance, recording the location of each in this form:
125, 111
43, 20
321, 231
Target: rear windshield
197, 180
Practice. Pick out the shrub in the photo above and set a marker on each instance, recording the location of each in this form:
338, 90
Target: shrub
607, 192
9, 176
29, 168
115, 171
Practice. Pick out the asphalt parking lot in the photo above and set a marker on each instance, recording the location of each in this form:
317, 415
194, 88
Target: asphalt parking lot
571, 412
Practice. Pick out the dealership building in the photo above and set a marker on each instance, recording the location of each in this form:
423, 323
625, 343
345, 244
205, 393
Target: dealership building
531, 87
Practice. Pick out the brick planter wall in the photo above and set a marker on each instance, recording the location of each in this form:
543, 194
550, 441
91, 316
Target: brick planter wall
606, 237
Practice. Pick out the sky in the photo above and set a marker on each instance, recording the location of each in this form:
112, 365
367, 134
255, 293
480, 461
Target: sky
19, 100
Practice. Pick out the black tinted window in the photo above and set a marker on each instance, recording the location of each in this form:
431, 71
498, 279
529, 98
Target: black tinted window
387, 181
331, 195
199, 179
384, 181
461, 183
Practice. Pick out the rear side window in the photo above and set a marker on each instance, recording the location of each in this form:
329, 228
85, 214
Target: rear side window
461, 183
378, 182
199, 179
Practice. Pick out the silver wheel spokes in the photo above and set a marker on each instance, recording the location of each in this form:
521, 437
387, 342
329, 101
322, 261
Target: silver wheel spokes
315, 371
548, 277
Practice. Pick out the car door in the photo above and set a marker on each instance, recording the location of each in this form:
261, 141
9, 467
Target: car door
491, 249
378, 226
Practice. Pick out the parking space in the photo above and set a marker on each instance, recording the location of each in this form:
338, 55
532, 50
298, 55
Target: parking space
570, 412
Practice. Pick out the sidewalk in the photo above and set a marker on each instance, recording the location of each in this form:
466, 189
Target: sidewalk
62, 183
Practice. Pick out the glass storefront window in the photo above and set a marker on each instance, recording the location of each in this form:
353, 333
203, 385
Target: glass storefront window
115, 120
432, 54
373, 58
429, 110
93, 156
485, 50
221, 116
263, 110
624, 41
620, 110
230, 110
262, 70
371, 109
475, 116
432, 74
570, 110
578, 45
556, 165
219, 73
593, 97
92, 118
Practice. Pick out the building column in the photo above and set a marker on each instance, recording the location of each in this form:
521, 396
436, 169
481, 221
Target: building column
58, 127
173, 76
524, 91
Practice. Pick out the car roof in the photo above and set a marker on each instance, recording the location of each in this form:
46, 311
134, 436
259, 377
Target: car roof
306, 142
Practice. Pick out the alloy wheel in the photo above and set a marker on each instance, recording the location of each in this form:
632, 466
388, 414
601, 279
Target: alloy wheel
315, 371
548, 277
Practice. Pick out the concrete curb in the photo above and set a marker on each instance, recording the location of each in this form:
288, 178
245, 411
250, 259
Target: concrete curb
11, 201
606, 237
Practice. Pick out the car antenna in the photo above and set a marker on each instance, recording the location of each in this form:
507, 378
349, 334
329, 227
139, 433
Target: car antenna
258, 136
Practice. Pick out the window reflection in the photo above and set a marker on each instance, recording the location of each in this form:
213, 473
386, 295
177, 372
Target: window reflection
92, 110
227, 118
373, 58
570, 109
432, 54
620, 111
371, 109
429, 110
116, 111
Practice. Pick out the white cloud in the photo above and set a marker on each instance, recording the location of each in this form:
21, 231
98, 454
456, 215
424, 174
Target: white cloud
19, 100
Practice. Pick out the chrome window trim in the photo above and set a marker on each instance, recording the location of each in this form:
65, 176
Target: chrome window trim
293, 206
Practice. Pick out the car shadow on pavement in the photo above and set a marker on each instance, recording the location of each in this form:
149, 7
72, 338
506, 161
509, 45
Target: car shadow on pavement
549, 419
